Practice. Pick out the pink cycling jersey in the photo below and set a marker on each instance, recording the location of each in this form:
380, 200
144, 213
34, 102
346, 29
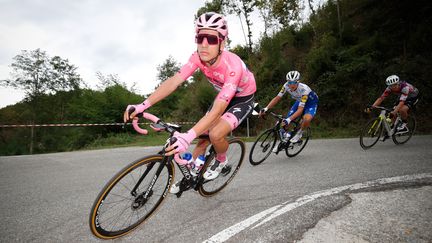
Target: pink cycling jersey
230, 77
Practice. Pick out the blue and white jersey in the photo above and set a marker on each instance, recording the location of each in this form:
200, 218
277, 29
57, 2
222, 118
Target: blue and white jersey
302, 94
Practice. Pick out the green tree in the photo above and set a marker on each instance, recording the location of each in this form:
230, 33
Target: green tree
210, 6
266, 15
193, 106
36, 73
242, 8
167, 106
286, 11
40, 76
167, 69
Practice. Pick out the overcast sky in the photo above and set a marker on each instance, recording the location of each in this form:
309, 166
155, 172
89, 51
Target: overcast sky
129, 38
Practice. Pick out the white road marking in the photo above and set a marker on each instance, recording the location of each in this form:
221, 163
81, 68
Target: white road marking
285, 207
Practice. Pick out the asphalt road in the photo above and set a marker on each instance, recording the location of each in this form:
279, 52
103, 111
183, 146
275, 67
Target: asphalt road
47, 198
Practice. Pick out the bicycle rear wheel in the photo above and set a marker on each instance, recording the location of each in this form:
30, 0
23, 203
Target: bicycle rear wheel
404, 137
117, 210
371, 133
235, 156
262, 147
295, 148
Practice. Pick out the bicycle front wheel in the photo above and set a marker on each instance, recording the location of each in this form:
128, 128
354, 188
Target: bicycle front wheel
295, 148
262, 147
401, 138
371, 133
235, 155
118, 209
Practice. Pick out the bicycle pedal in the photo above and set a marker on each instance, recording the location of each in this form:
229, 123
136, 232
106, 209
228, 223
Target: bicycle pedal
281, 146
178, 194
401, 133
226, 170
186, 184
385, 137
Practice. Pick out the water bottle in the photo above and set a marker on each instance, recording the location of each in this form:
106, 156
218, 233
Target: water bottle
287, 136
188, 156
388, 120
199, 162
282, 133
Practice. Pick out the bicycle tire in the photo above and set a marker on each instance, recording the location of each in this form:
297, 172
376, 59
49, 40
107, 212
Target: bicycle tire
373, 127
289, 152
265, 147
403, 138
235, 155
116, 192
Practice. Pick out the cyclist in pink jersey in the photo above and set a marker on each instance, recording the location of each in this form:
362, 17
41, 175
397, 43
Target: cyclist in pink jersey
228, 74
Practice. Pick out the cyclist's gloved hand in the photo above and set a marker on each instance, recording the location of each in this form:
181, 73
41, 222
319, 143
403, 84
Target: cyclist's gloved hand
182, 142
133, 110
286, 121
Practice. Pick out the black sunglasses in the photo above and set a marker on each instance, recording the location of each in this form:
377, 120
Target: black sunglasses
211, 39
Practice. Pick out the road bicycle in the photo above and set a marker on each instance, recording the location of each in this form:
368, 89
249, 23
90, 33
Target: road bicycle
138, 190
266, 141
383, 127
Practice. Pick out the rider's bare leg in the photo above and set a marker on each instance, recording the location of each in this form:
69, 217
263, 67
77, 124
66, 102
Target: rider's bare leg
304, 125
404, 112
307, 118
218, 135
200, 147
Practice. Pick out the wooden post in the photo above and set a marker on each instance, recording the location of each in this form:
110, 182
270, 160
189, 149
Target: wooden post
31, 139
247, 123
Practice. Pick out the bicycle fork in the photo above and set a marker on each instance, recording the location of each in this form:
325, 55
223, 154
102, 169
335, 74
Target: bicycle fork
142, 198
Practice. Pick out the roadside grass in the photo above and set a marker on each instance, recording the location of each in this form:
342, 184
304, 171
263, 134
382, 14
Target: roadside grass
158, 139
127, 140
320, 130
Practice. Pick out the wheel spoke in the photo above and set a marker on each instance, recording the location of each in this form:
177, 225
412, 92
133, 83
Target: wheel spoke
294, 149
404, 137
371, 133
235, 155
262, 147
118, 214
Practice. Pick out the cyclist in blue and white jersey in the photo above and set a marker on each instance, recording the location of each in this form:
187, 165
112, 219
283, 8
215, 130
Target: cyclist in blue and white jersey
306, 103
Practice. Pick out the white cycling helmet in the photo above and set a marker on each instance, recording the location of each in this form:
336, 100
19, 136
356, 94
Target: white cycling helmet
293, 76
392, 79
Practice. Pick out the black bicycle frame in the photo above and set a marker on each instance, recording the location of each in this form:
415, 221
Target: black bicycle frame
276, 128
156, 176
166, 159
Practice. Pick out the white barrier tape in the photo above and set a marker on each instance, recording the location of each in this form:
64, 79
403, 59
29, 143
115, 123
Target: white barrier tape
84, 124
